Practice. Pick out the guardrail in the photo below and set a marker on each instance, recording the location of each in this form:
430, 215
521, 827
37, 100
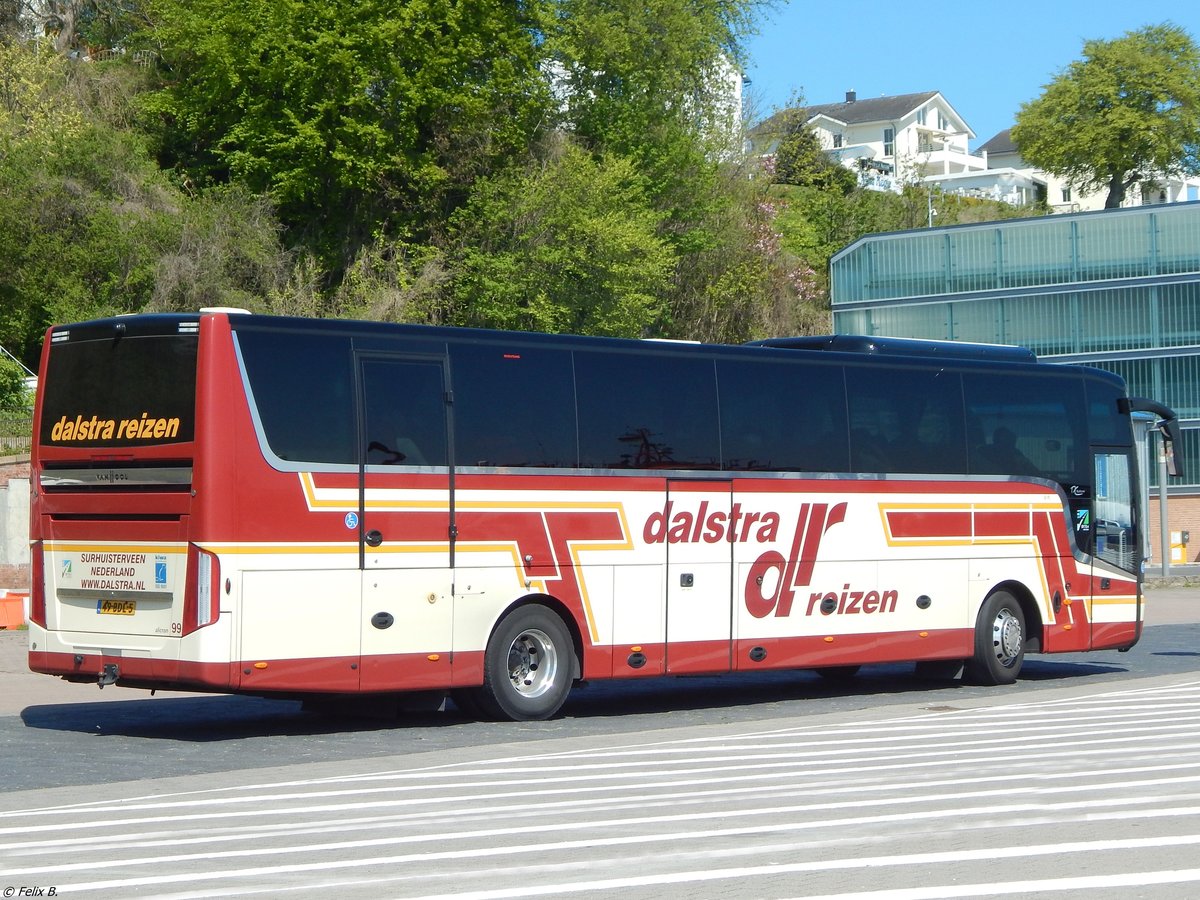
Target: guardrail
16, 431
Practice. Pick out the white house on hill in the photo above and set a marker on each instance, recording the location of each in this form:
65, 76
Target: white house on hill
921, 139
905, 139
1061, 197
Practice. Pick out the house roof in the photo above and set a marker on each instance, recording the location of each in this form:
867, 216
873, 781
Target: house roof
1001, 143
853, 112
872, 109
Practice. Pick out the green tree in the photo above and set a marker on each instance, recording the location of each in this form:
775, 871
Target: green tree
356, 117
650, 80
742, 282
38, 131
569, 246
13, 393
10, 19
1128, 112
75, 25
90, 226
225, 250
370, 125
801, 160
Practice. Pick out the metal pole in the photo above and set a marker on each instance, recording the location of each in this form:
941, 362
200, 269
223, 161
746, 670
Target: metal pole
1163, 523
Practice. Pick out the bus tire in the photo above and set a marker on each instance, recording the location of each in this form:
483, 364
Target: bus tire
999, 641
527, 666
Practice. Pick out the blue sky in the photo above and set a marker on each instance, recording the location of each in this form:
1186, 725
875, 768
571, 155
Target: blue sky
986, 59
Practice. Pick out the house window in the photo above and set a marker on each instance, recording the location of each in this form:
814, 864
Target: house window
1193, 192
922, 115
889, 142
1066, 192
943, 122
837, 141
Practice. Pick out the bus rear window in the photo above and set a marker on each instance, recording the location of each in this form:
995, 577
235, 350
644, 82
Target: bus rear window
135, 391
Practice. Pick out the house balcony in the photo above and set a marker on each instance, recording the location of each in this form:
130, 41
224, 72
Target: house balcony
1002, 185
948, 160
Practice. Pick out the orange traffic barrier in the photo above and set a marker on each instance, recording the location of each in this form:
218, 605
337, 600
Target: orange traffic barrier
12, 611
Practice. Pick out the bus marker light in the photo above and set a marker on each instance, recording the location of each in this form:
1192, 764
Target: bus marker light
637, 649
829, 640
434, 657
260, 665
923, 634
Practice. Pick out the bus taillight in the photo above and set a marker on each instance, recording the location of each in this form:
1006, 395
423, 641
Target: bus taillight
202, 604
37, 585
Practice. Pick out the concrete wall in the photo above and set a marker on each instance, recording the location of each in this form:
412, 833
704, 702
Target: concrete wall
14, 523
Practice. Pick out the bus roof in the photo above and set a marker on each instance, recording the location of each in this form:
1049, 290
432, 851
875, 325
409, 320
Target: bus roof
893, 346
905, 351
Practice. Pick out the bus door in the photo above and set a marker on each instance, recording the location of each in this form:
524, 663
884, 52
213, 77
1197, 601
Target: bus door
406, 512
699, 576
1115, 538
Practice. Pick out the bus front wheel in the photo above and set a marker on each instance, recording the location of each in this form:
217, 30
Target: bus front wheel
999, 641
527, 666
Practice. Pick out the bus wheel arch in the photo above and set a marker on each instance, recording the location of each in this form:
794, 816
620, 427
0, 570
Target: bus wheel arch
1001, 637
1031, 611
530, 663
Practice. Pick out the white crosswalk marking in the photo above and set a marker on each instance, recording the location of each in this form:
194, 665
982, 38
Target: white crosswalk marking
1095, 794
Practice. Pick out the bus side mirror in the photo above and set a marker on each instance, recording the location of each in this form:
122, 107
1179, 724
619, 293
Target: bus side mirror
1169, 429
1167, 426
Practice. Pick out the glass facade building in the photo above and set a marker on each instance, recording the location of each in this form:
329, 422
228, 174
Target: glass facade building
1116, 289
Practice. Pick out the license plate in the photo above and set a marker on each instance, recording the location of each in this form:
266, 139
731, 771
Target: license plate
116, 607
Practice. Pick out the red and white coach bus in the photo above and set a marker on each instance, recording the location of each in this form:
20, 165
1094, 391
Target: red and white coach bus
285, 507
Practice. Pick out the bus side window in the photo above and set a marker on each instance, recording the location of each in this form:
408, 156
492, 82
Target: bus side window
1002, 456
647, 411
514, 405
784, 415
906, 420
1032, 425
405, 422
302, 388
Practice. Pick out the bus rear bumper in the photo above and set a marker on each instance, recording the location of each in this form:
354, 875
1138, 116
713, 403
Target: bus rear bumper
82, 658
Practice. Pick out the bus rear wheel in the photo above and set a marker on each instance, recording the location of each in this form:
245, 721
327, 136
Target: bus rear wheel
528, 666
999, 641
